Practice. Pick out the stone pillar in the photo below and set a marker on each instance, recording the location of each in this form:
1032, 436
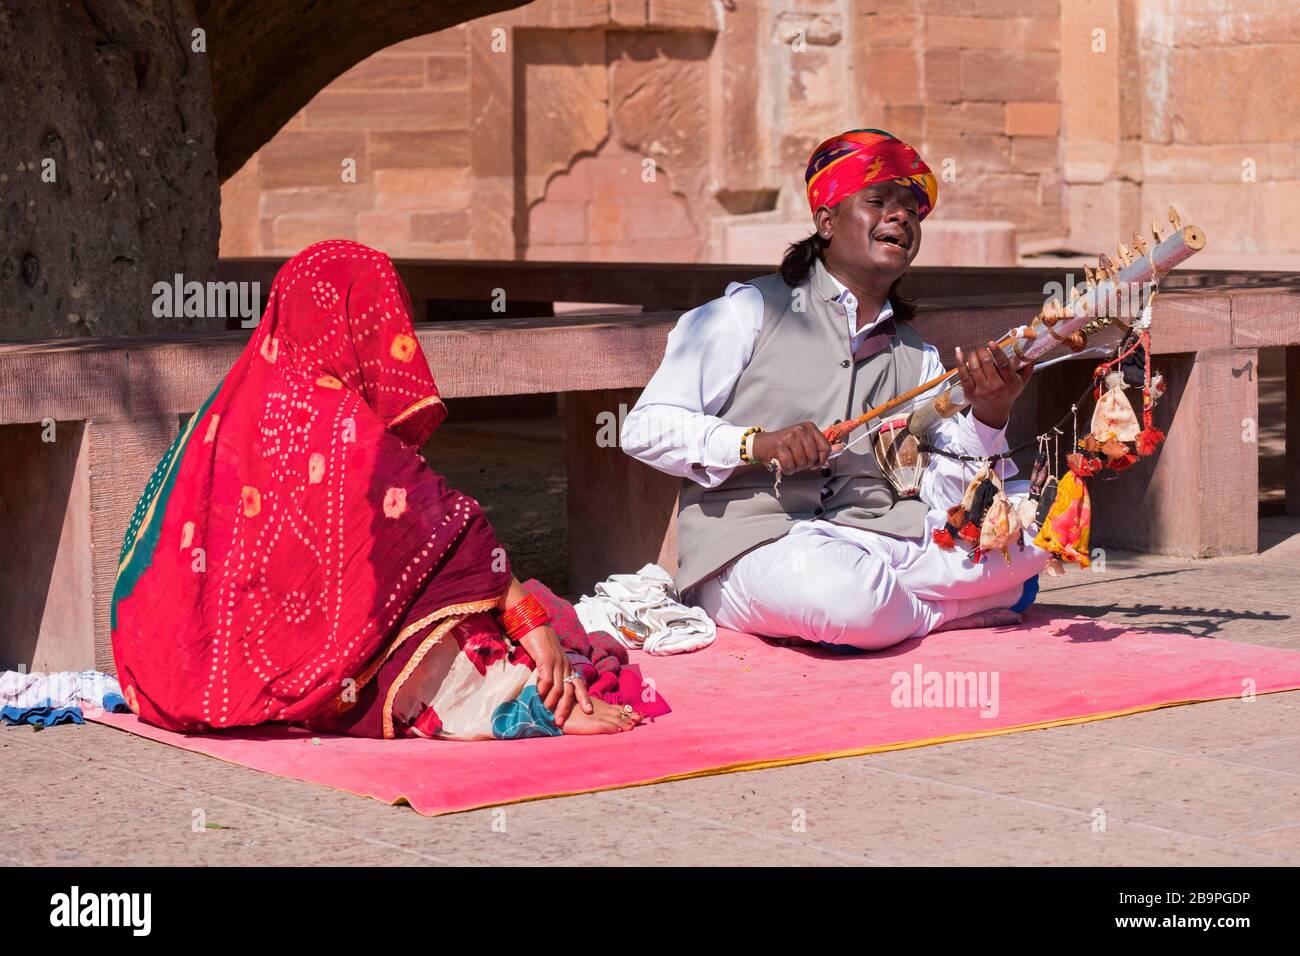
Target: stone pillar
1101, 117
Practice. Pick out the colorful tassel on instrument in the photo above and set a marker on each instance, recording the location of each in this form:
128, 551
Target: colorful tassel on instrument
1065, 532
1113, 416
1045, 501
1027, 511
1038, 475
1001, 526
1081, 465
945, 537
1149, 438
980, 496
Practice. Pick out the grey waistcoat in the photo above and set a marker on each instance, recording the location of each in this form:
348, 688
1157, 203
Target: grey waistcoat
802, 369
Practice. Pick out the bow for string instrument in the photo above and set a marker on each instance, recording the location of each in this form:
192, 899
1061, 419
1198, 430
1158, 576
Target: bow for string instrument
1105, 296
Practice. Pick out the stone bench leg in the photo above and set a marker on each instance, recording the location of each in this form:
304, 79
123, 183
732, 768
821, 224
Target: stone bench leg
621, 513
1202, 499
46, 622
1293, 429
64, 507
122, 455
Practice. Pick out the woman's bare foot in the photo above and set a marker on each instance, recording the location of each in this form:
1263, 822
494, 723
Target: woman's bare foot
604, 719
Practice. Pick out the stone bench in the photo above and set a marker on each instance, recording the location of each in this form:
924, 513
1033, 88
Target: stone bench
83, 422
455, 288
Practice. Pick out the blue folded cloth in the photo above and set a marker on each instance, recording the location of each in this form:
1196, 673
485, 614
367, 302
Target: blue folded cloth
44, 700
42, 715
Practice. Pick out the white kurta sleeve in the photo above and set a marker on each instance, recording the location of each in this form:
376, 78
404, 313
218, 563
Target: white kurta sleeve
674, 425
945, 479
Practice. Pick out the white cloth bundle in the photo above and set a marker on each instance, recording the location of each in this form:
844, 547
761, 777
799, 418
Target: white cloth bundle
62, 689
645, 602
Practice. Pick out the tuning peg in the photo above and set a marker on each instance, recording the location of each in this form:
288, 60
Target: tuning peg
1122, 253
1088, 276
1175, 219
1155, 231
1107, 269
1139, 244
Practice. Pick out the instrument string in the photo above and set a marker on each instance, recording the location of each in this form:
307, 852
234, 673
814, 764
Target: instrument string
1054, 431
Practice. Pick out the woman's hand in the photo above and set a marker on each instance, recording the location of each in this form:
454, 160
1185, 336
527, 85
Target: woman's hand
797, 447
552, 668
990, 383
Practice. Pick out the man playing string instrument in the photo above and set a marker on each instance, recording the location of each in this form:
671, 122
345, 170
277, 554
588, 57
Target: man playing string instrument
830, 552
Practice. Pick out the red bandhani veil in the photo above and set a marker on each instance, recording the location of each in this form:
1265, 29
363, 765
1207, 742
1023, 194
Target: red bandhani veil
293, 552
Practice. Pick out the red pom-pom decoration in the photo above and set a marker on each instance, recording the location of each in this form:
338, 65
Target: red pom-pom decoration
1148, 440
943, 538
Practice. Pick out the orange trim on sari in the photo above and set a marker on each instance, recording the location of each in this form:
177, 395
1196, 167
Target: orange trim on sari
410, 667
414, 407
462, 609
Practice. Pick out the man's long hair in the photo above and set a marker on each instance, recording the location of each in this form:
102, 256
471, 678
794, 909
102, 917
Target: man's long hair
798, 264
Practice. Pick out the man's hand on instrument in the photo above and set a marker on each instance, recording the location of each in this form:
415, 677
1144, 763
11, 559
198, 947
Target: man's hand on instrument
797, 447
990, 383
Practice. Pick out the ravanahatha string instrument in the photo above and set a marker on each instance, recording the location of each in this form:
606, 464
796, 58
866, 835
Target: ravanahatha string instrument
1110, 293
1056, 511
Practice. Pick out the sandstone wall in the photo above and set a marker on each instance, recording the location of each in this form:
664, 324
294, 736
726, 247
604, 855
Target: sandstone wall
1220, 132
658, 130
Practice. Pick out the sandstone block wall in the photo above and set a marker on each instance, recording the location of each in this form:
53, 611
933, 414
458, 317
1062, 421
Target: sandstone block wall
652, 130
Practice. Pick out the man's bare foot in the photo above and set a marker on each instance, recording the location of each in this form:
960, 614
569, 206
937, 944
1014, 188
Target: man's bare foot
995, 618
604, 719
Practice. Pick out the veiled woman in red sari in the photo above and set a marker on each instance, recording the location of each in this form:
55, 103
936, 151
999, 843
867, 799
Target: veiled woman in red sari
294, 558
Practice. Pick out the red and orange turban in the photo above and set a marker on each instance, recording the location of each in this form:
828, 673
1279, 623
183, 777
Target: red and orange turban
859, 158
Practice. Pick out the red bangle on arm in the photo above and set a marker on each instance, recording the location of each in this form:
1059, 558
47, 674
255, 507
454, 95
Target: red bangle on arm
523, 616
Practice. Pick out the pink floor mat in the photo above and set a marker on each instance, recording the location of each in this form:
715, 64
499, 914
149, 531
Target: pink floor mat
744, 704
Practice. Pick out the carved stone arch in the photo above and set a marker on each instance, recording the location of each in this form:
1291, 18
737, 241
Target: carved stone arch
268, 59
121, 122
